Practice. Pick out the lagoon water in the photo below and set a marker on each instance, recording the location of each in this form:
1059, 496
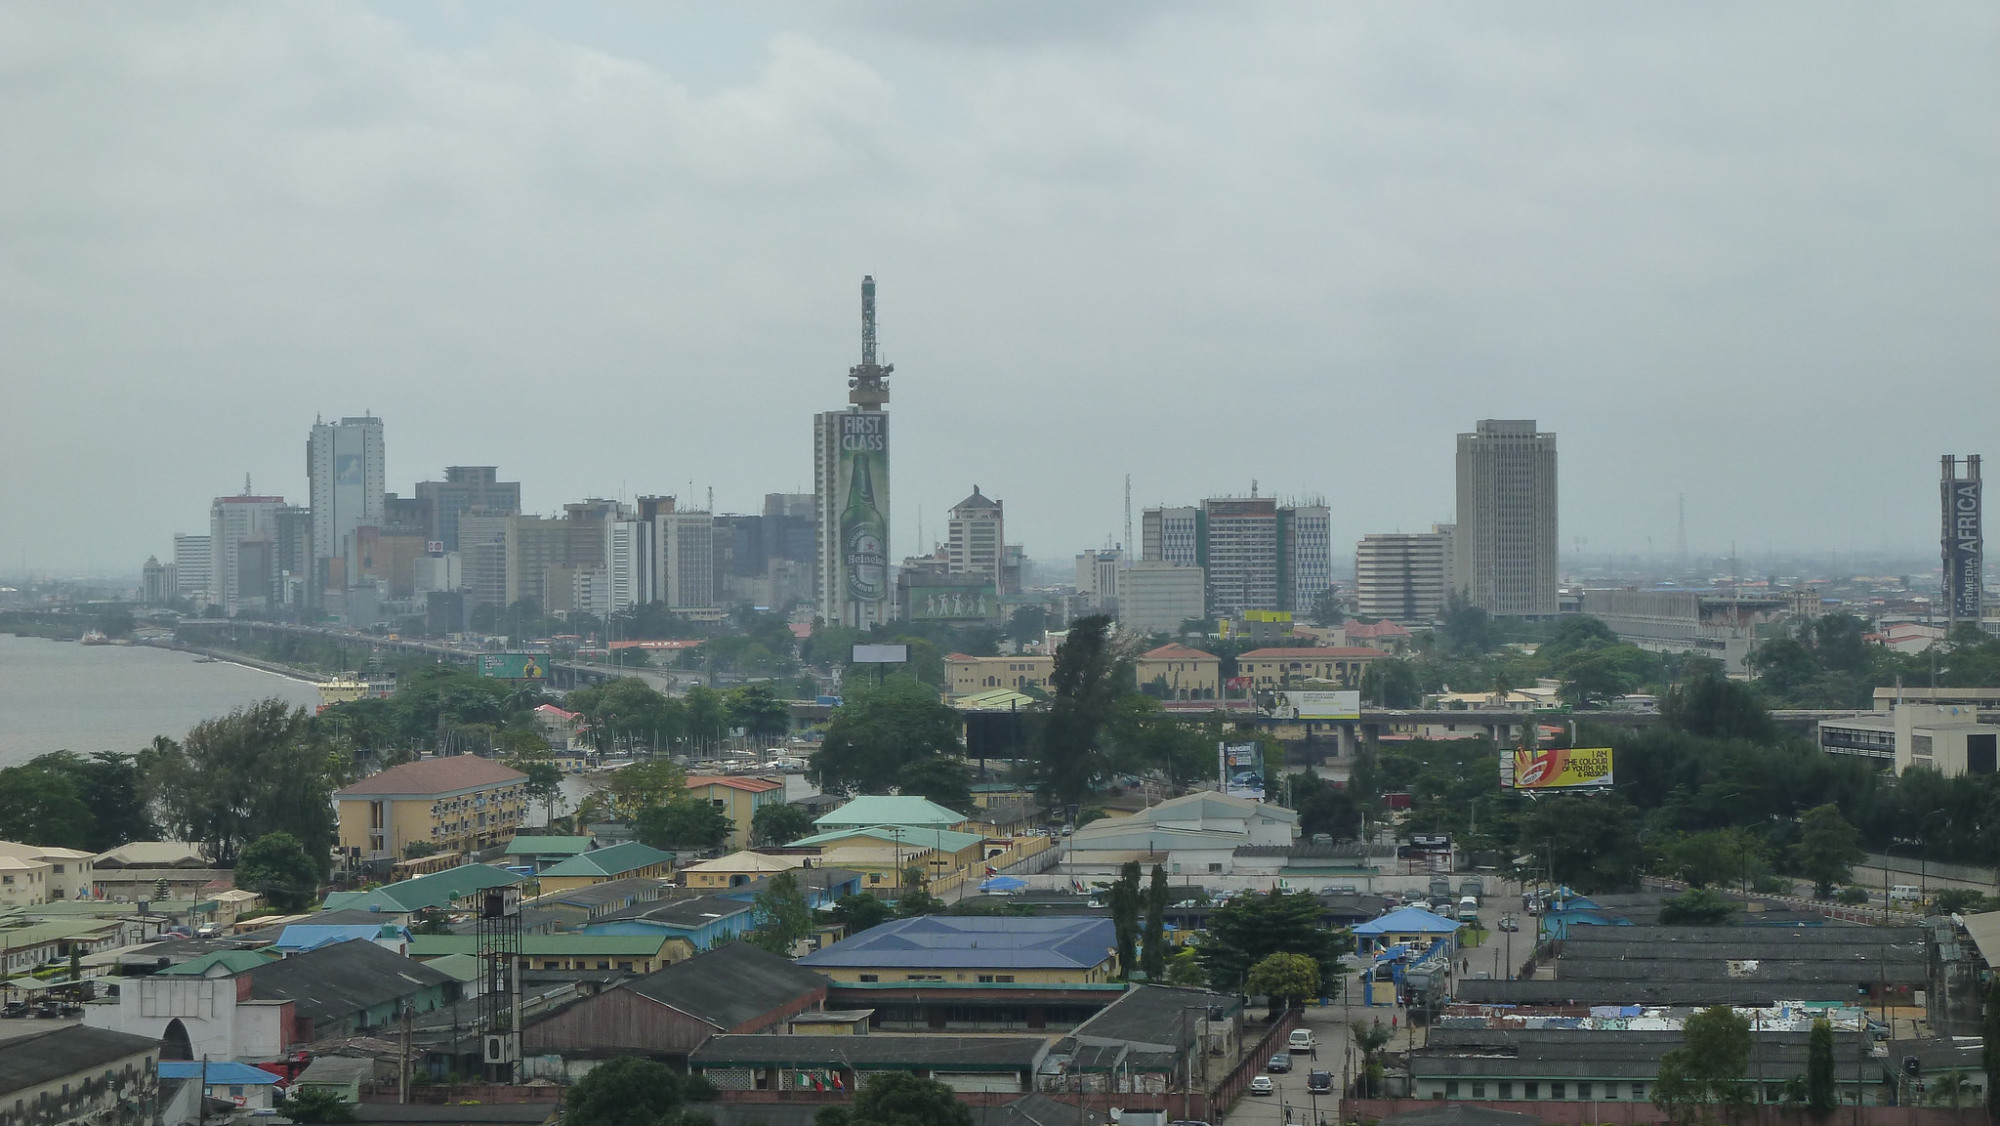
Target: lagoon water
57, 695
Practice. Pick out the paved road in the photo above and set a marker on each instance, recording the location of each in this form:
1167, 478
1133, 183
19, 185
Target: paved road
1293, 1103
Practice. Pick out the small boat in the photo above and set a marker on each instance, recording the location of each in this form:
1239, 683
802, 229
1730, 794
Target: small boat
94, 637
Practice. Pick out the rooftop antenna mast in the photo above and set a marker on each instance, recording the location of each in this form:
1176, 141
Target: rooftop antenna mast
867, 382
1681, 535
1127, 545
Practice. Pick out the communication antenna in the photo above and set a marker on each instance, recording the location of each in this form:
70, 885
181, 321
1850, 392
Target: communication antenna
1128, 513
1681, 536
711, 499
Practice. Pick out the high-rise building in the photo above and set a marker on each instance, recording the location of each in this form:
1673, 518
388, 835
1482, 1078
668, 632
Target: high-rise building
852, 584
534, 544
482, 557
973, 539
684, 559
1962, 540
628, 564
1401, 576
1097, 575
194, 568
154, 587
1506, 534
345, 471
1155, 596
1255, 553
466, 488
243, 552
292, 528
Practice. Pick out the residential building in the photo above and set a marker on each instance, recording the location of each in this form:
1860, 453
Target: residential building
243, 551
194, 568
1506, 530
888, 853
1155, 596
872, 810
627, 861
975, 949
808, 1063
965, 675
345, 469
461, 803
1176, 672
466, 488
71, 873
569, 950
1949, 739
1255, 553
24, 882
78, 1075
155, 582
1270, 669
739, 868
451, 889
739, 796
1401, 577
974, 538
734, 988
1195, 834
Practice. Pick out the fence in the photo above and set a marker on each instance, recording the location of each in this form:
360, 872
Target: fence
1645, 1113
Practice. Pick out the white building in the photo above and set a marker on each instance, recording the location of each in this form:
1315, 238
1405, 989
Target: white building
347, 479
1947, 738
974, 538
1097, 579
243, 552
684, 559
628, 563
1171, 535
1306, 534
1193, 835
1506, 535
69, 873
1401, 576
1156, 597
194, 567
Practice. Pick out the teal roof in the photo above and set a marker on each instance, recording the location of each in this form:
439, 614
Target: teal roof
1409, 920
548, 846
944, 840
875, 809
235, 961
438, 889
614, 861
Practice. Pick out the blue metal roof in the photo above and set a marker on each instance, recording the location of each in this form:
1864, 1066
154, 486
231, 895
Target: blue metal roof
312, 936
969, 941
1408, 920
220, 1072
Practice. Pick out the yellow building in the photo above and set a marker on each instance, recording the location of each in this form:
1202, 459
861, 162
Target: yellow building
1271, 669
737, 869
965, 675
628, 861
23, 882
1180, 673
739, 797
885, 853
70, 873
975, 950
462, 804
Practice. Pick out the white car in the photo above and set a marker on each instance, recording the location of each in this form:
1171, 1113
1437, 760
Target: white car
1262, 1085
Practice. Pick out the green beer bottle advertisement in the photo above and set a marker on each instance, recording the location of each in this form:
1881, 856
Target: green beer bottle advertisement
864, 536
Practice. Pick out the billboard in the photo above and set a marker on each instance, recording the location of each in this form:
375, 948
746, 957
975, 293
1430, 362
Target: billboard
514, 666
1242, 769
863, 502
1561, 768
956, 602
1323, 705
1963, 541
881, 654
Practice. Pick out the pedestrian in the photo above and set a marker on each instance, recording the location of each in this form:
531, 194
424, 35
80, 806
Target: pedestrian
1392, 1022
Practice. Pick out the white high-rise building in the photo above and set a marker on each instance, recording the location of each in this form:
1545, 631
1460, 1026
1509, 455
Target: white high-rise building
628, 564
346, 471
194, 567
1506, 536
1171, 535
1155, 596
1401, 576
974, 539
1306, 533
684, 559
243, 552
1097, 575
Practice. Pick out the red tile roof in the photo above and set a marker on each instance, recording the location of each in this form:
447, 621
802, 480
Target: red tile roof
435, 776
1177, 653
734, 782
1376, 629
1312, 653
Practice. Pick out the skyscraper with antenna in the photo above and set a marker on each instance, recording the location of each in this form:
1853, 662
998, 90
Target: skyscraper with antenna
853, 583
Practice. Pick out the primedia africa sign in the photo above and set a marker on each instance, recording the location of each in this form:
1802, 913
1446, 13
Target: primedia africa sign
1963, 547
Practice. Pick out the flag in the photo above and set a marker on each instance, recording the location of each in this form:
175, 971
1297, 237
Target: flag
804, 1080
819, 1084
992, 871
837, 1084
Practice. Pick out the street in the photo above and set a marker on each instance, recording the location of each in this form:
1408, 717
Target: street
1292, 1103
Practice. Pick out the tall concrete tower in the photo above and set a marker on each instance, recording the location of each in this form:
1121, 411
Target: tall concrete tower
345, 468
1962, 540
1506, 536
852, 581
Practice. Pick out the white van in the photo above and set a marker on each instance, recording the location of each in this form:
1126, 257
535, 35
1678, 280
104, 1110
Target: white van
1904, 893
1302, 1041
1468, 909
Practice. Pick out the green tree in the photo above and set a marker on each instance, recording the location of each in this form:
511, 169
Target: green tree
915, 897
1392, 683
780, 823
1465, 628
1713, 706
899, 1098
1719, 856
1088, 678
1708, 1067
758, 711
1371, 1038
1287, 979
706, 718
683, 822
108, 784
1027, 624
1958, 901
276, 867
1828, 847
626, 1091
1153, 942
1821, 1095
1698, 907
879, 731
642, 786
1325, 808
944, 779
41, 807
1249, 927
783, 917
1593, 840
1185, 971
254, 771
1125, 898
315, 1104
544, 782
860, 911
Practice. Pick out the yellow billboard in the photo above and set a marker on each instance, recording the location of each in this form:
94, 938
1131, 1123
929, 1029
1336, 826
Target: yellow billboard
1560, 768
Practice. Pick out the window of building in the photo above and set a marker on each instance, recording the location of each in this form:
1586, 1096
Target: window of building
871, 977
1638, 1092
624, 965
1531, 1090
1610, 1090
1478, 1090
1558, 1090
1506, 1089
1583, 1090
1003, 978
1451, 1088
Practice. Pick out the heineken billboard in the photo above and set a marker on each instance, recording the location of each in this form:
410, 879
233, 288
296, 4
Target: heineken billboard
864, 505
954, 602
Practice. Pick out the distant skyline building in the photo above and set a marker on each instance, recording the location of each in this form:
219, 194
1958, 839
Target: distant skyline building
1255, 553
466, 488
974, 538
155, 582
1155, 596
194, 567
684, 558
243, 551
1962, 540
852, 581
1506, 537
1097, 580
1402, 576
345, 471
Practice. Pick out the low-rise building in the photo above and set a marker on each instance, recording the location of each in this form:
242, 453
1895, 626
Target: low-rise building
1193, 835
70, 871
1176, 672
1274, 669
628, 861
453, 887
76, 1075
781, 1063
247, 1087
1405, 926
888, 854
739, 868
24, 882
460, 803
1947, 738
738, 796
632, 953
965, 674
871, 811
703, 923
961, 950
544, 852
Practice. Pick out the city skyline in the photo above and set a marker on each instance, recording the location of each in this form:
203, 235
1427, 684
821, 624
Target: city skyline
1712, 253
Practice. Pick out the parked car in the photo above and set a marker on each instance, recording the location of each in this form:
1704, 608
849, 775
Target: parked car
1507, 923
1320, 1082
1301, 1040
1262, 1085
14, 1010
1280, 1062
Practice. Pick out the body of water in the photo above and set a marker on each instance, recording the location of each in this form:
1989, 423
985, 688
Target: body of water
59, 695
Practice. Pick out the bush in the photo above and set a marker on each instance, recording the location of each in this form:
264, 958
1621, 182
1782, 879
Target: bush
1852, 896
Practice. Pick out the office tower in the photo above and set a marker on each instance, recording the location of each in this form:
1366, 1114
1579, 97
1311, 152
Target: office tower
292, 528
1155, 596
1241, 553
1171, 535
344, 467
154, 588
1305, 536
1401, 576
1962, 540
852, 584
535, 544
628, 564
482, 557
466, 488
973, 539
194, 568
243, 552
1506, 535
1097, 575
1255, 553
684, 558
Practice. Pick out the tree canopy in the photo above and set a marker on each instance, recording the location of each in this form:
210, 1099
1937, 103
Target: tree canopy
255, 771
879, 732
276, 867
627, 1091
1251, 927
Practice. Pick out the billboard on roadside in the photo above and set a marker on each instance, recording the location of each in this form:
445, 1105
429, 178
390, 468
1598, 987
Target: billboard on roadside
1242, 769
514, 666
1562, 768
881, 654
1323, 705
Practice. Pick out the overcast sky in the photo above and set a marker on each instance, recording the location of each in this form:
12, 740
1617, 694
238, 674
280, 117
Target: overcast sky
1742, 251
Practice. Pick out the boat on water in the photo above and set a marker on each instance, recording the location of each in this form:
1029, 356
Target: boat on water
94, 637
341, 689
